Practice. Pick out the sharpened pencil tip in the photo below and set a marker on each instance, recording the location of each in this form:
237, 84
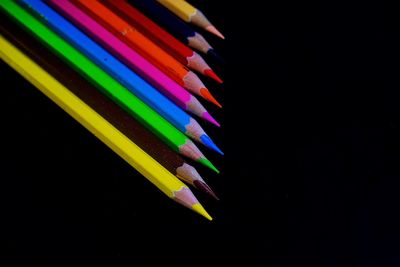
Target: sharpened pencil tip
210, 73
209, 118
205, 188
185, 197
208, 96
208, 164
211, 52
206, 140
214, 31
200, 210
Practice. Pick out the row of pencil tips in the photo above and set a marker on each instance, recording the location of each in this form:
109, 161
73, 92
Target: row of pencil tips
128, 72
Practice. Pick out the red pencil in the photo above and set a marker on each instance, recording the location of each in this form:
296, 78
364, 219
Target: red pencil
110, 111
151, 30
145, 47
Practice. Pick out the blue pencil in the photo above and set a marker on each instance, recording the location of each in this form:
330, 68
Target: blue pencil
174, 25
147, 93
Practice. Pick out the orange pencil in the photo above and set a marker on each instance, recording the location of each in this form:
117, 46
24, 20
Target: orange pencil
164, 39
152, 52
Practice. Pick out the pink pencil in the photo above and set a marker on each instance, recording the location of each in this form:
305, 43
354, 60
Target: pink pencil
132, 59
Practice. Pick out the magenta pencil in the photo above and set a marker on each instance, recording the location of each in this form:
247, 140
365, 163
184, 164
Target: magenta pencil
133, 60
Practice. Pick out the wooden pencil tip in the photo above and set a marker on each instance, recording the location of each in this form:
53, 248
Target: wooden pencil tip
210, 119
200, 210
185, 197
210, 73
201, 185
214, 31
206, 140
212, 53
208, 164
208, 96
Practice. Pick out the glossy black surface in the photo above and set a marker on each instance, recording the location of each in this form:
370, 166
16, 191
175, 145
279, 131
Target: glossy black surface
310, 177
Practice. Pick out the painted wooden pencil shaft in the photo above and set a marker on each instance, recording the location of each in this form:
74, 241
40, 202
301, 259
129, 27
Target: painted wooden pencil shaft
174, 25
105, 83
102, 105
116, 69
151, 30
189, 13
132, 59
146, 48
103, 130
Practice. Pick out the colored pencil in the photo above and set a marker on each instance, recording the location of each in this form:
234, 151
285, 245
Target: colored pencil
151, 30
120, 72
145, 47
105, 83
97, 125
102, 105
190, 14
174, 25
132, 59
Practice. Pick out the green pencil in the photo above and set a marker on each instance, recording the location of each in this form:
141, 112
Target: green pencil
106, 84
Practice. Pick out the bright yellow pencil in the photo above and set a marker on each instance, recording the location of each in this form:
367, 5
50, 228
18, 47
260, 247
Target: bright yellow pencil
189, 13
101, 128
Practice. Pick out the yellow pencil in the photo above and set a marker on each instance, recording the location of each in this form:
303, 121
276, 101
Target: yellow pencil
189, 13
101, 128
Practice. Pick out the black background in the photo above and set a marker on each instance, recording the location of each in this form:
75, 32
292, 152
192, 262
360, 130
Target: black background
311, 132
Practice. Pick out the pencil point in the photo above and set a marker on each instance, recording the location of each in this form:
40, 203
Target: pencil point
207, 95
185, 197
209, 118
205, 188
200, 210
206, 140
208, 164
210, 73
211, 52
214, 30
